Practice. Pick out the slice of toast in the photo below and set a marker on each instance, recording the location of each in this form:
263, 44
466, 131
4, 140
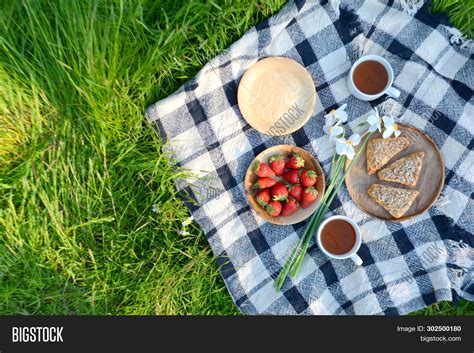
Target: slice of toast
405, 171
380, 151
396, 201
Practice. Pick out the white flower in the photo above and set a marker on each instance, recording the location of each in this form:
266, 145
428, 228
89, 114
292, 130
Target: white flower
188, 221
333, 130
338, 115
155, 208
332, 125
184, 232
346, 147
374, 120
390, 127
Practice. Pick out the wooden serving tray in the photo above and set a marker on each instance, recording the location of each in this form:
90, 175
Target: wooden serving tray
430, 182
310, 163
276, 96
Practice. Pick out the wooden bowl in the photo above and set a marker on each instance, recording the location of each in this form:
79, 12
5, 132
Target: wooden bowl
276, 96
430, 182
310, 163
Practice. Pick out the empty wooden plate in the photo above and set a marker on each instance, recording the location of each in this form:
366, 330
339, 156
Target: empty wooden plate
310, 163
276, 96
430, 181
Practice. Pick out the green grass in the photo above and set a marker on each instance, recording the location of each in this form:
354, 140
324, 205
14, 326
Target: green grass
80, 172
461, 13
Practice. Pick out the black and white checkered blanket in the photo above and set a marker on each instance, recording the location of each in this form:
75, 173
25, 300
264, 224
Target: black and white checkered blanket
407, 265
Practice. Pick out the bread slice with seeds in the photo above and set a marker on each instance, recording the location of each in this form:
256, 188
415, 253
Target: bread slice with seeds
405, 170
380, 151
396, 201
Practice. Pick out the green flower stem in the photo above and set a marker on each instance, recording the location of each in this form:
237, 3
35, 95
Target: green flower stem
331, 166
293, 265
315, 218
286, 268
322, 210
296, 254
307, 238
337, 169
298, 250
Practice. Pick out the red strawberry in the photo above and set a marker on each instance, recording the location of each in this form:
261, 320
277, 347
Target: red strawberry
309, 196
262, 170
263, 197
277, 163
295, 190
290, 207
273, 208
263, 183
279, 192
292, 176
308, 178
295, 162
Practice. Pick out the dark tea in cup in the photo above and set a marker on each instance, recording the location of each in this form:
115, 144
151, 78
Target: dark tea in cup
370, 77
338, 237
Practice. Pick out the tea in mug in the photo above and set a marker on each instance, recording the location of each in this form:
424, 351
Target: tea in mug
338, 237
370, 77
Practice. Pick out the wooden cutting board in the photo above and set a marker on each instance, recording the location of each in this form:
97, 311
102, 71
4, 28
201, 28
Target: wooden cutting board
430, 182
276, 96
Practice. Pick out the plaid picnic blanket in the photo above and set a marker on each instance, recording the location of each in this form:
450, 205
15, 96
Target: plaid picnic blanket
407, 265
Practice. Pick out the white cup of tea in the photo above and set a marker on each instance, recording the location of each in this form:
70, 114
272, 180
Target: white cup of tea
370, 77
339, 237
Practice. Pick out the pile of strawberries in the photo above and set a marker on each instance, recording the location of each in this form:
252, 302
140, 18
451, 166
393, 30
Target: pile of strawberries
283, 198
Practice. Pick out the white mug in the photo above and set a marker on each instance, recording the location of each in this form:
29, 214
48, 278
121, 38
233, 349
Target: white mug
389, 90
350, 254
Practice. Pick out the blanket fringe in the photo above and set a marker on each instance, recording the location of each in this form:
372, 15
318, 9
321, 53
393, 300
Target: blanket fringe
461, 255
457, 37
391, 108
411, 7
360, 46
442, 202
335, 5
